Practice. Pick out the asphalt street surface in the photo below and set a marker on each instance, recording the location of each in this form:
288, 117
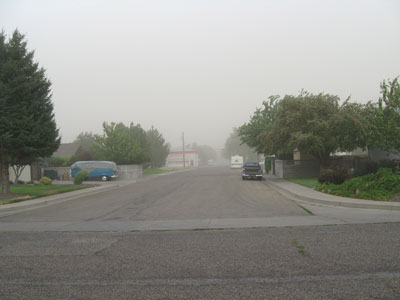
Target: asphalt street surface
199, 194
358, 261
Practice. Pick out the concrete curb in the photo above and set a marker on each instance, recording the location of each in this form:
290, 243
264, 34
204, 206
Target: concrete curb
302, 193
56, 198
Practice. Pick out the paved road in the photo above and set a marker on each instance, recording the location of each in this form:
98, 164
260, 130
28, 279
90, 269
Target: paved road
203, 194
315, 262
358, 261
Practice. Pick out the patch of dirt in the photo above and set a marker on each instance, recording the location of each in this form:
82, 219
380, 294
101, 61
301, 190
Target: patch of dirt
395, 198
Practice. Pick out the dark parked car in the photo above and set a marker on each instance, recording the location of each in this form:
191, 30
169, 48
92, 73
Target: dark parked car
52, 174
252, 170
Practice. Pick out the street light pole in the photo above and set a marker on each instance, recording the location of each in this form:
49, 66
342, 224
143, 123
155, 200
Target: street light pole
183, 150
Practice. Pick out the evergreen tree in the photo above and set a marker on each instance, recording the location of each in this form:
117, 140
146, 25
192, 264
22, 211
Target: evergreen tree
27, 124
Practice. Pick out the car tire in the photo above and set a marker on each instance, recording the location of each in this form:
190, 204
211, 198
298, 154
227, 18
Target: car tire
104, 178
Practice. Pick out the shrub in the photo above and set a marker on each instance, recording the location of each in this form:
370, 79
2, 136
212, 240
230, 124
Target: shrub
268, 164
45, 180
371, 167
387, 180
379, 186
59, 161
20, 182
335, 175
80, 176
387, 163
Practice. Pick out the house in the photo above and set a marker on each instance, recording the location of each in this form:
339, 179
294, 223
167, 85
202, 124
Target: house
34, 171
67, 150
175, 159
377, 155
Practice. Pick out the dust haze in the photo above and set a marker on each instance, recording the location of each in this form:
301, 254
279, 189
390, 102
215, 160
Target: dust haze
201, 67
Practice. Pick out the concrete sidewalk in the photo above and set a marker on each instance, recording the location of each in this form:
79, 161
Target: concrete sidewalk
299, 192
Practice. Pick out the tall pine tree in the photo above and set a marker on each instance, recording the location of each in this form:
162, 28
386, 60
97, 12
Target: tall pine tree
27, 125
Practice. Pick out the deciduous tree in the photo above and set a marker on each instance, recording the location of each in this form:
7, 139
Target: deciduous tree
317, 125
86, 141
158, 148
205, 152
385, 118
119, 144
234, 146
261, 121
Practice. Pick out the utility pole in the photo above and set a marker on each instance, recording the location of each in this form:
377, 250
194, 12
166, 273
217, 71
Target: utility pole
183, 149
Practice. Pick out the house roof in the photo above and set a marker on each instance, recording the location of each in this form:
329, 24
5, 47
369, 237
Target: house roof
66, 150
179, 149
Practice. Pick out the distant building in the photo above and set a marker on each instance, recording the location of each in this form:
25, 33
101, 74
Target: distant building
67, 150
175, 159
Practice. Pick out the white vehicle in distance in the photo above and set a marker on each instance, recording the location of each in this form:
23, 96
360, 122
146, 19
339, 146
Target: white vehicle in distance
236, 162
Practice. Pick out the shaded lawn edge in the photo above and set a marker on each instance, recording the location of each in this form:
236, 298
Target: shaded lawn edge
24, 193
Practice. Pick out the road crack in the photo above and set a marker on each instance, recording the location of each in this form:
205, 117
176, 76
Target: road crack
300, 248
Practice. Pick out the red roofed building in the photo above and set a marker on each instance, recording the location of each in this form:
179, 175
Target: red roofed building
175, 159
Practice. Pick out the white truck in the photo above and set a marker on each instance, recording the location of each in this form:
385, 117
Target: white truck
236, 161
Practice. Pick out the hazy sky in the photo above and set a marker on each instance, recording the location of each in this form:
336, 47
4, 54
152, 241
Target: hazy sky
202, 67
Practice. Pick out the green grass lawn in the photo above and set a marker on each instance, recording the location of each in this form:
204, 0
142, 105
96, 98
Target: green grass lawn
36, 191
155, 171
310, 182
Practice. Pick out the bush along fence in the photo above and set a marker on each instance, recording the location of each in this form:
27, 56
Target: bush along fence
311, 168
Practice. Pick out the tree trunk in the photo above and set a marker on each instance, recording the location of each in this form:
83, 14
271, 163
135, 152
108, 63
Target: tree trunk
5, 176
324, 162
17, 171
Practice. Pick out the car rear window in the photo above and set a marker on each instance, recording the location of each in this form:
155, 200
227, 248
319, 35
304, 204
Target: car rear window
251, 165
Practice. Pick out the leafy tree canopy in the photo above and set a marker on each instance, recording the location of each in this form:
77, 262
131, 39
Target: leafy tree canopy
262, 120
86, 141
124, 145
205, 152
121, 144
316, 124
384, 118
158, 148
234, 146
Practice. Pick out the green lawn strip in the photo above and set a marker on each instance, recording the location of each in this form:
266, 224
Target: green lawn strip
14, 200
310, 182
36, 191
155, 171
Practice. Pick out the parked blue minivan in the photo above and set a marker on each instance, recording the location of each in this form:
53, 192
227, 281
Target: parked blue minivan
103, 170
